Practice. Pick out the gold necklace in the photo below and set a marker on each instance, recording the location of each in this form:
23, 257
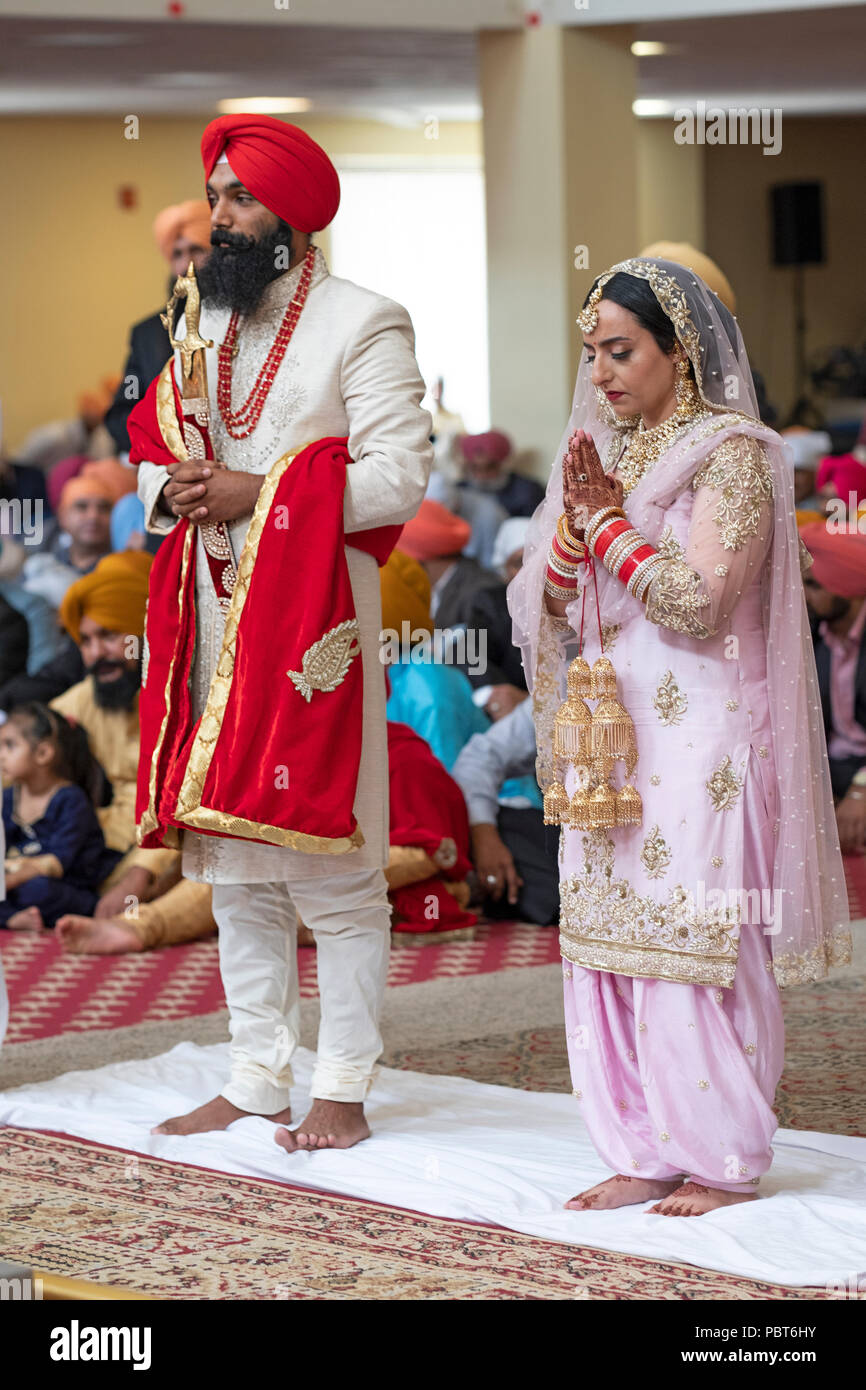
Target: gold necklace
644, 447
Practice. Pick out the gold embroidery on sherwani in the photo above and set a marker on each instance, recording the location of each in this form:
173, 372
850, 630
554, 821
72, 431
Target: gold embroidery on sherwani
675, 599
605, 924
189, 807
655, 855
724, 786
740, 471
670, 701
326, 663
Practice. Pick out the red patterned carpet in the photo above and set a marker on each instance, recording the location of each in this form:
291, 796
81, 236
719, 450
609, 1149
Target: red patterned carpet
52, 993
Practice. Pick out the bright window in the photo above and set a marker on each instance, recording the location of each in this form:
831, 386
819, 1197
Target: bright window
417, 236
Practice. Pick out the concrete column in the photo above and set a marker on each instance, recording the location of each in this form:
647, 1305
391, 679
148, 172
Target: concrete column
560, 154
670, 186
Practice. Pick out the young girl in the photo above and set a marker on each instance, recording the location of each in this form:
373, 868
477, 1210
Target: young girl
56, 856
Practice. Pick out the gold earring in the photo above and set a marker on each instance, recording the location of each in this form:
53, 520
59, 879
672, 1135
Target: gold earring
683, 388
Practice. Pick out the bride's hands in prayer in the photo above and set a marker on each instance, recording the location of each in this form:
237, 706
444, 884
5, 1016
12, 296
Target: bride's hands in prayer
586, 488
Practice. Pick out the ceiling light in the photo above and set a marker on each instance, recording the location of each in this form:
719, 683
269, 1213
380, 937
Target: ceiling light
649, 48
651, 106
262, 105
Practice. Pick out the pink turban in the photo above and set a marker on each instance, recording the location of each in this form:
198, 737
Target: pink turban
846, 475
279, 164
190, 219
839, 559
494, 444
434, 533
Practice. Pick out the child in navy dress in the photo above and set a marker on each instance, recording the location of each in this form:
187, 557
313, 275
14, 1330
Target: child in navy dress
56, 856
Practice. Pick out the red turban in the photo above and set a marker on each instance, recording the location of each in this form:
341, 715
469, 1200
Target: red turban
839, 559
434, 532
493, 444
279, 164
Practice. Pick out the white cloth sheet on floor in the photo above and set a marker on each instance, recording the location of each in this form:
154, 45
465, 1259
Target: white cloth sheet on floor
449, 1147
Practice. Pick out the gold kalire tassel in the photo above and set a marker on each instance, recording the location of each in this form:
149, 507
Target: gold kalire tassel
592, 742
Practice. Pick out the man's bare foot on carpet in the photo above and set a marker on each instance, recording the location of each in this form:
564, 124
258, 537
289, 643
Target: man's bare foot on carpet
620, 1191
97, 936
219, 1113
692, 1199
331, 1124
28, 919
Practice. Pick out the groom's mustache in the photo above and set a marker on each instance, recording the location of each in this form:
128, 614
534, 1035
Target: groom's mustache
232, 241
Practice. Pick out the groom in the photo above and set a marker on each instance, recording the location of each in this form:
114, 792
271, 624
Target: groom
263, 718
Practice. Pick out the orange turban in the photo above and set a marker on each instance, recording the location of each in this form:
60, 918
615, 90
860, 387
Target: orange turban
839, 559
114, 476
681, 253
279, 164
434, 532
83, 487
114, 595
190, 219
405, 594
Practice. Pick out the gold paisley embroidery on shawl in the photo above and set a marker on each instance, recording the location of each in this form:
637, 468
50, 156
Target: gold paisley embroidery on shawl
325, 664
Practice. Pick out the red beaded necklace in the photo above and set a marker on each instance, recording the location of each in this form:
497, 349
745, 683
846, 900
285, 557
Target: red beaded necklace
240, 423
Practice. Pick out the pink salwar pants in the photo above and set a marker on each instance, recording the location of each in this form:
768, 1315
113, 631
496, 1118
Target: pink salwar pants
676, 1078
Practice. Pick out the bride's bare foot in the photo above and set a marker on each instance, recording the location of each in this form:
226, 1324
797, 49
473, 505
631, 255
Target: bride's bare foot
620, 1191
692, 1199
97, 936
331, 1124
219, 1113
28, 919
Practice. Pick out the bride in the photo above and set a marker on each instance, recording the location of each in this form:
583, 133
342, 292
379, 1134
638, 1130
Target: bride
699, 861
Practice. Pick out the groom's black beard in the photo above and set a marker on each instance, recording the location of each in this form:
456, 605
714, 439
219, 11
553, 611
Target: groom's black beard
236, 275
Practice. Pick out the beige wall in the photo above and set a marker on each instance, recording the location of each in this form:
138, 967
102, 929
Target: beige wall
738, 227
76, 270
670, 186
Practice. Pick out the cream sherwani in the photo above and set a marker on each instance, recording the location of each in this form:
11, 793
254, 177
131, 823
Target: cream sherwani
349, 370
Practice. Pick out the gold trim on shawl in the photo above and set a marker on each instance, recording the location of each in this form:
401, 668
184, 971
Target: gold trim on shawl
189, 808
149, 820
166, 414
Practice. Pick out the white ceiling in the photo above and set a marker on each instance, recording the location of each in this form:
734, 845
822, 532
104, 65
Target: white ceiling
804, 60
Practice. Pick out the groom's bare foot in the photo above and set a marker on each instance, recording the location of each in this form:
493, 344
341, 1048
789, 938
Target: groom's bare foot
219, 1113
620, 1191
692, 1199
331, 1124
97, 936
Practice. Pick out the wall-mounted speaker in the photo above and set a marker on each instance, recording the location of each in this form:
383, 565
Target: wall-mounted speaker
798, 223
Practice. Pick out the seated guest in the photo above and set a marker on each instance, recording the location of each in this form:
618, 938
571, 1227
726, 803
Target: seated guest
465, 596
514, 853
835, 592
84, 437
805, 449
428, 694
50, 680
81, 538
428, 859
484, 471
508, 549
104, 613
55, 851
182, 233
13, 642
484, 514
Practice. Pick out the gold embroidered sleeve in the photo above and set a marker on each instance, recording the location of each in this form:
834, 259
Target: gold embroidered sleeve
739, 472
677, 599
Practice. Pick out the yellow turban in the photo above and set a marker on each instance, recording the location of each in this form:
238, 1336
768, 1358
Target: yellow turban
405, 594
683, 254
190, 219
114, 595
